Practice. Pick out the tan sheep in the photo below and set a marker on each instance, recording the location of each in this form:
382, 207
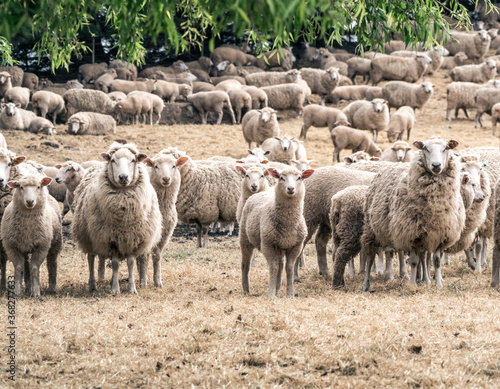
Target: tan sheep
387, 67
18, 95
86, 100
402, 120
318, 116
154, 107
258, 125
45, 102
131, 86
91, 71
5, 83
436, 55
358, 66
348, 93
176, 68
42, 126
133, 107
254, 181
460, 95
170, 91
105, 79
285, 96
272, 78
16, 72
374, 92
237, 57
474, 44
400, 93
259, 97
485, 99
281, 148
349, 138
475, 73
30, 81
215, 101
321, 82
91, 123
457, 60
117, 96
400, 151
241, 102
368, 115
228, 85
279, 59
13, 118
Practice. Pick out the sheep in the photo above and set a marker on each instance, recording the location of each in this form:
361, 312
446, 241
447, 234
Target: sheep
170, 91
131, 86
18, 95
321, 82
32, 225
228, 85
102, 83
117, 96
328, 60
318, 116
400, 151
116, 212
155, 102
125, 74
41, 126
203, 63
402, 120
358, 66
91, 71
349, 138
436, 55
91, 123
215, 101
69, 174
118, 64
355, 92
30, 81
400, 93
281, 148
237, 57
86, 100
45, 102
460, 95
475, 44
495, 117
285, 96
202, 87
282, 59
368, 115
218, 80
374, 92
181, 78
485, 99
475, 73
344, 81
176, 68
59, 89
457, 60
240, 101
274, 224
416, 207
254, 181
5, 83
13, 118
16, 72
259, 125
134, 106
299, 150
272, 78
398, 68
259, 97
301, 164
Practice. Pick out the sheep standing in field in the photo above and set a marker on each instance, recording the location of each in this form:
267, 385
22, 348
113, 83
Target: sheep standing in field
349, 138
460, 95
13, 118
475, 73
259, 97
116, 212
400, 151
102, 83
358, 66
321, 82
391, 68
5, 83
18, 95
32, 225
41, 126
399, 93
91, 71
215, 101
457, 60
87, 100
240, 101
258, 125
152, 106
368, 115
436, 55
474, 44
274, 224
402, 120
170, 91
285, 96
485, 99
318, 116
272, 78
347, 93
91, 123
416, 207
45, 102
254, 181
281, 148
134, 107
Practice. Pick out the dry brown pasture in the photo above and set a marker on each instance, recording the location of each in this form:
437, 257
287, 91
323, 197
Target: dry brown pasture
199, 330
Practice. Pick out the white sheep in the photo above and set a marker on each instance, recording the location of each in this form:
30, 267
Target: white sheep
214, 101
461, 95
282, 148
318, 116
87, 100
400, 93
402, 120
368, 115
475, 73
91, 123
254, 181
400, 151
18, 95
258, 125
285, 96
13, 118
46, 102
387, 67
321, 82
356, 140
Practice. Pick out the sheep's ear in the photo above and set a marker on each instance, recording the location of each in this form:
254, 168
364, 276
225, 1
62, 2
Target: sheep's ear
264, 162
348, 160
141, 157
58, 166
309, 162
250, 152
106, 156
18, 105
374, 159
452, 143
465, 179
148, 162
46, 181
13, 184
181, 161
266, 172
307, 173
273, 172
418, 144
241, 170
18, 160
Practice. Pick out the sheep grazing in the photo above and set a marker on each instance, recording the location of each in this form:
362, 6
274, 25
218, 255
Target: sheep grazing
457, 60
32, 225
30, 81
16, 72
349, 138
241, 101
358, 66
272, 78
399, 93
215, 101
18, 95
237, 57
102, 83
285, 96
135, 107
461, 95
474, 44
368, 115
389, 68
321, 82
281, 148
170, 92
41, 126
91, 123
485, 99
259, 125
91, 71
318, 116
116, 212
274, 224
475, 73
347, 93
416, 207
45, 102
5, 83
86, 100
254, 181
402, 120
259, 97
13, 118
400, 151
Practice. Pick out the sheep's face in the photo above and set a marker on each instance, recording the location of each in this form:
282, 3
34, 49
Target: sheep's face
302, 164
290, 181
266, 114
74, 84
259, 154
74, 126
425, 59
66, 173
253, 177
221, 66
295, 74
4, 77
401, 153
122, 166
164, 167
357, 157
29, 190
435, 153
483, 34
441, 50
493, 32
191, 77
47, 129
6, 163
334, 74
10, 109
285, 142
186, 91
461, 57
491, 64
379, 105
474, 170
428, 87
180, 66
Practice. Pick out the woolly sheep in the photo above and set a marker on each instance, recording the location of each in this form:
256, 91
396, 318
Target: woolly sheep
273, 223
217, 80
321, 82
170, 91
400, 93
402, 120
235, 56
30, 81
272, 78
116, 212
125, 74
202, 87
41, 126
240, 101
119, 64
91, 123
368, 115
131, 86
18, 95
474, 73
301, 164
400, 151
102, 83
460, 95
5, 83
215, 101
45, 102
259, 97
485, 99
259, 125
436, 55
135, 107
13, 118
398, 68
457, 60
355, 92
16, 72
117, 96
474, 44
282, 59
176, 68
254, 181
59, 89
281, 148
285, 96
91, 71
349, 138
318, 116
374, 92
155, 106
358, 66
86, 100
228, 85
328, 60
299, 150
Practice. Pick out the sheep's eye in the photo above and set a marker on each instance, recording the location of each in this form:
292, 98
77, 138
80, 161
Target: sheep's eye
38, 187
9, 164
156, 166
298, 179
282, 178
246, 175
262, 176
173, 167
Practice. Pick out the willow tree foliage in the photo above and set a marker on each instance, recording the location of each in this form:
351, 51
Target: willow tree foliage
56, 25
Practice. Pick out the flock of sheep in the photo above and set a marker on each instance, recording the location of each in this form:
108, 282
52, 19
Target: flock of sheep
425, 204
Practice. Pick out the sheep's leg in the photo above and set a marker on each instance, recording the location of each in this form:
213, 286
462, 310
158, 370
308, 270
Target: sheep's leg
437, 270
336, 155
322, 100
205, 236
343, 254
322, 237
54, 118
274, 261
351, 270
131, 278
157, 267
425, 260
369, 263
388, 276
380, 262
36, 259
303, 132
231, 112
18, 273
476, 121
484, 251
403, 272
376, 136
478, 265
115, 286
446, 259
495, 267
246, 258
101, 272
466, 113
92, 283
142, 265
469, 255
493, 126
291, 256
198, 234
3, 263
448, 114
221, 114
301, 258
279, 276
362, 263
52, 268
414, 262
27, 275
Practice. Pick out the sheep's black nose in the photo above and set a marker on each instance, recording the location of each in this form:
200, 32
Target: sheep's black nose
123, 177
30, 203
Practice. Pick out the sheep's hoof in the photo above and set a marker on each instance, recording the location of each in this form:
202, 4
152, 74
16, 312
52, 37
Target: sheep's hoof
405, 277
159, 284
297, 280
388, 278
132, 289
115, 291
366, 287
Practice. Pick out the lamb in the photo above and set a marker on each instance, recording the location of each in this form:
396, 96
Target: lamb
474, 44
240, 101
368, 115
475, 73
41, 126
237, 57
215, 101
16, 72
176, 68
374, 92
259, 97
86, 100
389, 68
285, 96
272, 78
328, 60
495, 117
301, 164
400, 151
399, 93
155, 106
318, 116
485, 99
18, 95
254, 181
349, 138
457, 60
358, 66
398, 213
117, 96
275, 59
91, 123
281, 148
30, 81
45, 102
91, 71
321, 82
103, 82
355, 92
402, 120
299, 150
131, 86
274, 224
70, 174
13, 118
307, 90
170, 91
460, 95
116, 212
5, 83
259, 125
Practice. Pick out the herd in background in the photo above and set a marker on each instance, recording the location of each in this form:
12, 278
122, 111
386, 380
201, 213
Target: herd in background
423, 204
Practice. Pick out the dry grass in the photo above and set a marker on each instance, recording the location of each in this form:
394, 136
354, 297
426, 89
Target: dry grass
200, 330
